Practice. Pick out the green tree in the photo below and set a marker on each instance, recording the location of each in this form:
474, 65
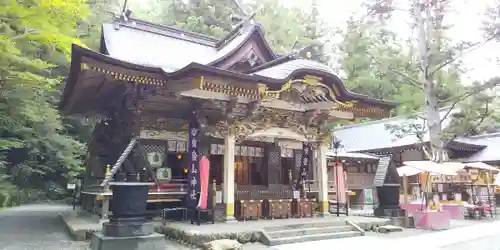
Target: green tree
376, 63
100, 11
286, 29
362, 42
438, 63
33, 141
316, 31
209, 17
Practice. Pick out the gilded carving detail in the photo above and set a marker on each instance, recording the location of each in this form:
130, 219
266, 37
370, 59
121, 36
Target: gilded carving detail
217, 87
123, 76
159, 123
308, 87
270, 118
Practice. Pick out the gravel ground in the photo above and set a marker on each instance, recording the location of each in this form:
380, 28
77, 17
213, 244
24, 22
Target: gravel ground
35, 227
39, 227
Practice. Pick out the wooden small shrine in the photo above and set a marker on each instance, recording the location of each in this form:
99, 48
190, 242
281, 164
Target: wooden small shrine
259, 117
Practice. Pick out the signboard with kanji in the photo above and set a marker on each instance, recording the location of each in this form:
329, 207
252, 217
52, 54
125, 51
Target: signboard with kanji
304, 166
193, 167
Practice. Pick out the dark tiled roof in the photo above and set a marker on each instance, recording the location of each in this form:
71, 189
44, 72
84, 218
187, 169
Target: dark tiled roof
489, 154
152, 49
233, 44
376, 135
168, 48
174, 51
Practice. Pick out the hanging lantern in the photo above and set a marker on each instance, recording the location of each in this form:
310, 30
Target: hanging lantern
179, 156
155, 159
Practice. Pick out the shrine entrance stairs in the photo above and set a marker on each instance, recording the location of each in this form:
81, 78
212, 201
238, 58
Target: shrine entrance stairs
305, 232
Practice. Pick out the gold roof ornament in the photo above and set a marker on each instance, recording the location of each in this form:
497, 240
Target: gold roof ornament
307, 85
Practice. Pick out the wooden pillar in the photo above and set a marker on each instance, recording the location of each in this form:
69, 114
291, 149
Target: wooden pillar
405, 199
314, 165
322, 177
228, 188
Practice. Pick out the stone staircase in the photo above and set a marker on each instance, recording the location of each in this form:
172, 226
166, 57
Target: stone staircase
287, 234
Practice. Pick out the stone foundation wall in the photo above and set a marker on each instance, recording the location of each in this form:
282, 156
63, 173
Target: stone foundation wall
201, 240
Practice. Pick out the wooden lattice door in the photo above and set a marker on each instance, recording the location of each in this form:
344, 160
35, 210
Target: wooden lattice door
273, 160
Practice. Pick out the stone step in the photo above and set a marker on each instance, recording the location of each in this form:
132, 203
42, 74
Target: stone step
310, 231
305, 225
312, 237
389, 229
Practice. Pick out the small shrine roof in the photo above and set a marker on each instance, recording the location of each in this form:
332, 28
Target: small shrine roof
354, 137
490, 152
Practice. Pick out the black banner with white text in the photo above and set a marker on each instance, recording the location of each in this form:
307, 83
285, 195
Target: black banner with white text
194, 172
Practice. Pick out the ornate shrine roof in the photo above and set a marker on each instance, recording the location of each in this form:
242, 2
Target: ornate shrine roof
171, 61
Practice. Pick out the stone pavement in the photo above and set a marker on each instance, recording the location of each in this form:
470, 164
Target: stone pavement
38, 227
457, 237
35, 227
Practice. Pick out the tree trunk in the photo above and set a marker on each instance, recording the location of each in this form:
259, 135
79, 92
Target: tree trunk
436, 152
433, 122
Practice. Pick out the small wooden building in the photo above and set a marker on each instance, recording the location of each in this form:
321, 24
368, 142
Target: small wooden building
406, 146
254, 110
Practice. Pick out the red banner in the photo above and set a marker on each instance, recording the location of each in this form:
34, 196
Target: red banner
204, 174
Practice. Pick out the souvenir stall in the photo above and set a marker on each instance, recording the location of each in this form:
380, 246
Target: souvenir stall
451, 190
481, 189
427, 212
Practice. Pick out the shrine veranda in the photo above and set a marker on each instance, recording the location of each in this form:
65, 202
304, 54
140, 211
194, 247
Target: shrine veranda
258, 117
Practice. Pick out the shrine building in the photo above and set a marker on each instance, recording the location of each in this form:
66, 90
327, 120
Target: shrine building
253, 113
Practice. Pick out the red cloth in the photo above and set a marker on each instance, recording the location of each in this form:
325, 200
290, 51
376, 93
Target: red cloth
204, 173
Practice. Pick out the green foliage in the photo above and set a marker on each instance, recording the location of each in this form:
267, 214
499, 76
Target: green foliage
476, 111
371, 58
285, 28
431, 66
316, 31
33, 143
89, 29
376, 63
212, 17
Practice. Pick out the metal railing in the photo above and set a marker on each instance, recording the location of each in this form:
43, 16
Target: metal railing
119, 162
